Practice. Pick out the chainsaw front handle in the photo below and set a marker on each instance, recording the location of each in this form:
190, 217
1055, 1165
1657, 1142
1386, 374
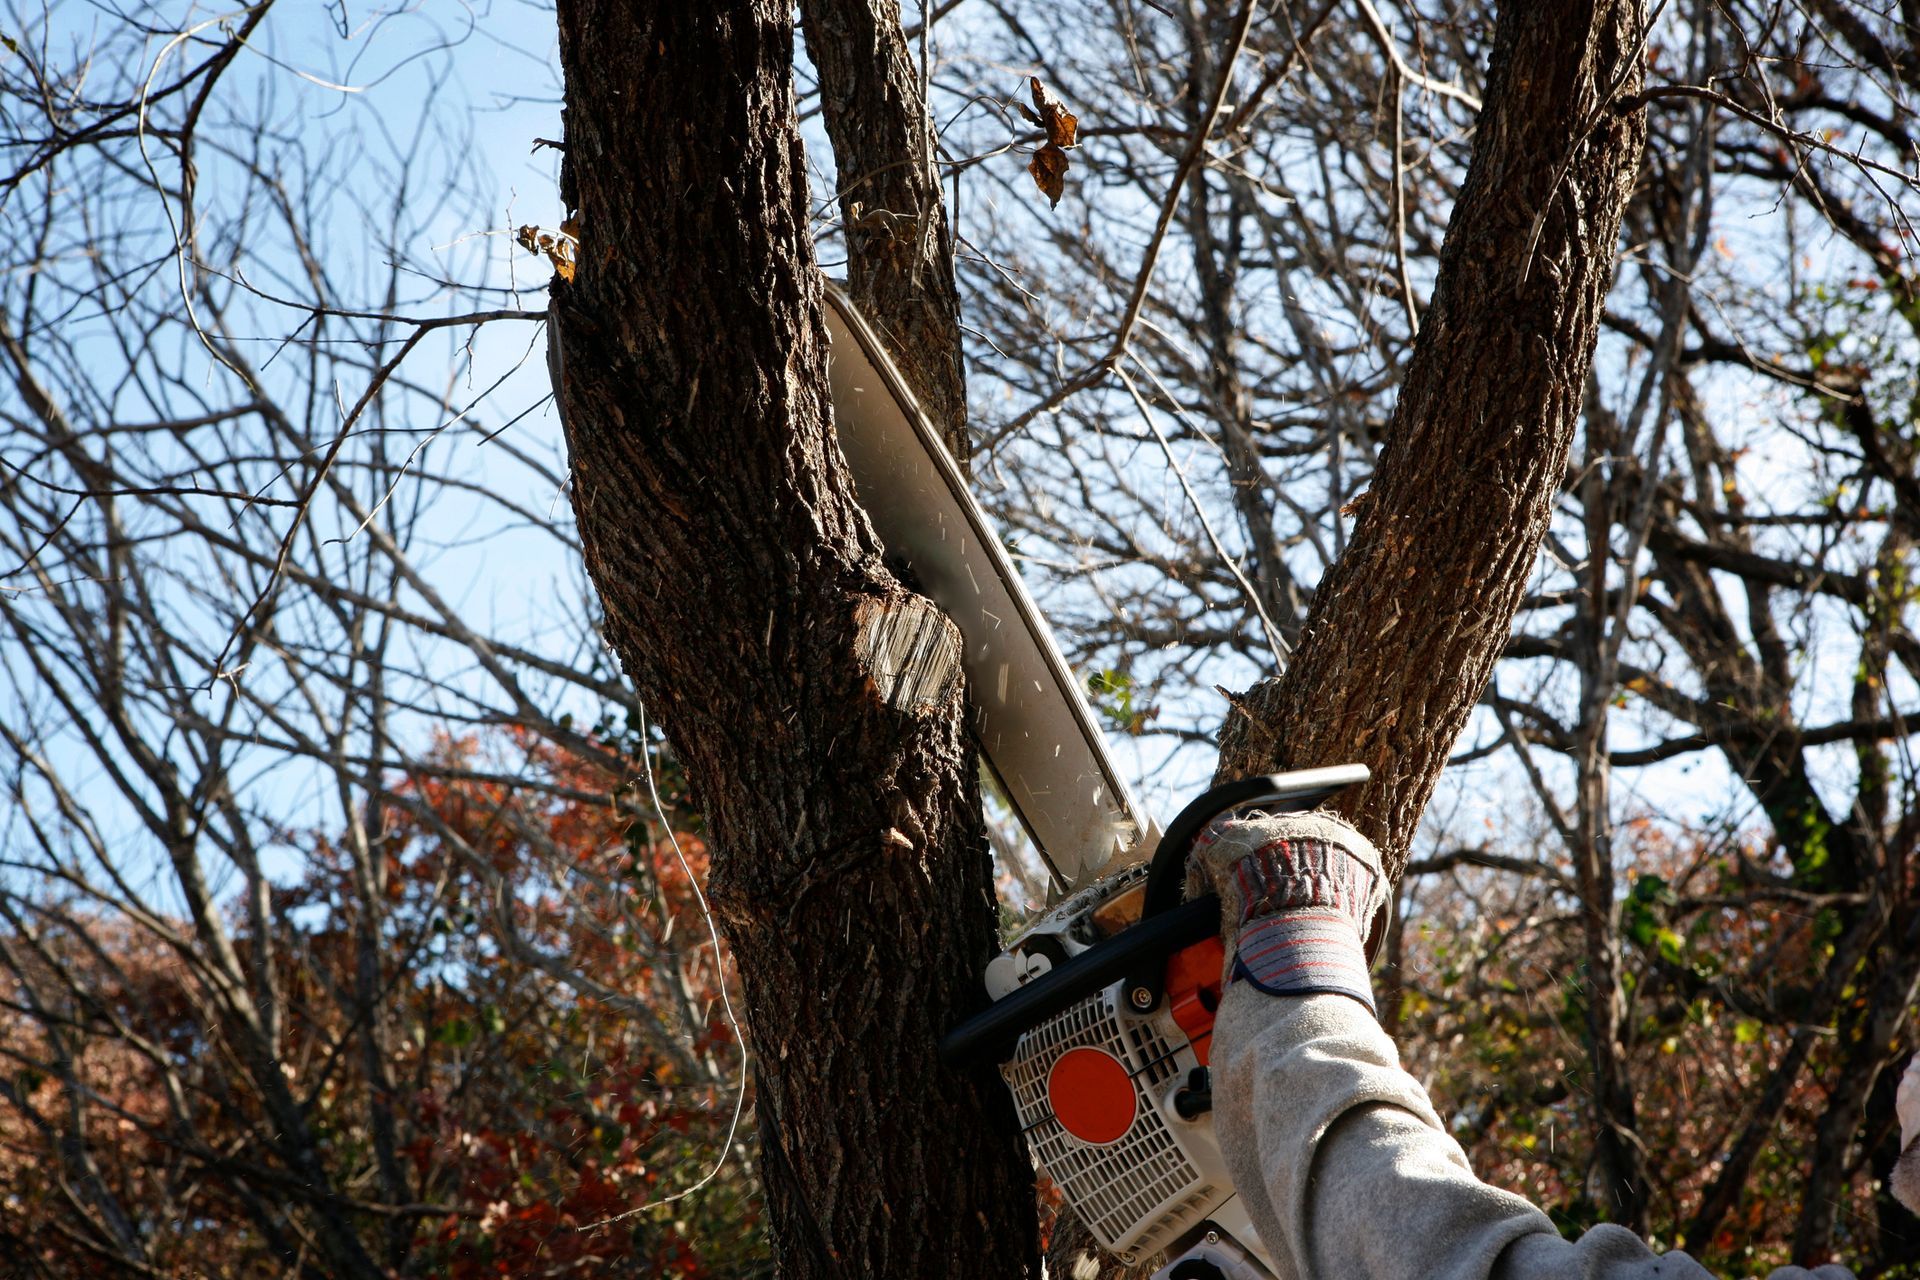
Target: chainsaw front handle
1300, 791
1138, 954
990, 1035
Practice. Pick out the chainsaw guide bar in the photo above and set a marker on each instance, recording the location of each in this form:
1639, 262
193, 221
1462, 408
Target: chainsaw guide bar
1030, 717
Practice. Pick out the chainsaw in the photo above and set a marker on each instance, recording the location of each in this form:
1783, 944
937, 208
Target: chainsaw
1101, 1022
1102, 1009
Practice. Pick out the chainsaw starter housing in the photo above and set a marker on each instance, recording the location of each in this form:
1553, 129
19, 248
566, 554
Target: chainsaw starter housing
1115, 1104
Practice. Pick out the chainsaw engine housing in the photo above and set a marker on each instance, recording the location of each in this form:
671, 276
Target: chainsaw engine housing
1116, 1105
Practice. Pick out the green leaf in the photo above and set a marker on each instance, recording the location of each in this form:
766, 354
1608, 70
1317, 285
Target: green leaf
1671, 945
1653, 891
1112, 693
454, 1031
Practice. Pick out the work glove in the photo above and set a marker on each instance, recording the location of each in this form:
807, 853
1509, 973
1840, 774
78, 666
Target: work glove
1906, 1170
1299, 893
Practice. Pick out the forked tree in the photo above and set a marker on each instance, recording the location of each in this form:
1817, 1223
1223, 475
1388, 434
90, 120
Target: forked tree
745, 592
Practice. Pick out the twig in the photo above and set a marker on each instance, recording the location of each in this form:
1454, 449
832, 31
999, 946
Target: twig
1275, 644
719, 964
1400, 210
1795, 136
378, 380
1196, 147
1384, 39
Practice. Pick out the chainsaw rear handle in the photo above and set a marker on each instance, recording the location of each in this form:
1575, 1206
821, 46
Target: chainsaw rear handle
1139, 953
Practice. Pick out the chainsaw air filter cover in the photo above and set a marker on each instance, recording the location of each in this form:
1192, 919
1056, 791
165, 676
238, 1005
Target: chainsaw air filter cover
1096, 1088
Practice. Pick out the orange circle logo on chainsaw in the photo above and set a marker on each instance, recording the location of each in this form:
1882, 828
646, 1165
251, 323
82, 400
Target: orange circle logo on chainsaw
1091, 1095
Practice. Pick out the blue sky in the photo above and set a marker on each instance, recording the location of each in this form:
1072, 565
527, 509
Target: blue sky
461, 93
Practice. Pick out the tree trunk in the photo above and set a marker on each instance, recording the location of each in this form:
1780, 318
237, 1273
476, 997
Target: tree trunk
1618, 1176
1869, 1033
1216, 271
899, 247
1406, 626
816, 703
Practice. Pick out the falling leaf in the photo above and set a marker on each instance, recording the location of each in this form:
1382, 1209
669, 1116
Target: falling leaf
1049, 164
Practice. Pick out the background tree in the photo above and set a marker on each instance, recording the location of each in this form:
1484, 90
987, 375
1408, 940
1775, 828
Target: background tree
339, 930
512, 1124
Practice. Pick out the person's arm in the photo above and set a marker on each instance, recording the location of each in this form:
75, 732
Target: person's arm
1345, 1168
1906, 1171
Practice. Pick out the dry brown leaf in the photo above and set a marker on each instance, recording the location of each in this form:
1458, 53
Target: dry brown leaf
1049, 163
566, 244
558, 249
1061, 124
1049, 170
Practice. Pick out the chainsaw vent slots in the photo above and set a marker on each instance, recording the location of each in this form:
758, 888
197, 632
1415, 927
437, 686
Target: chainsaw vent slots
1153, 1054
1140, 1191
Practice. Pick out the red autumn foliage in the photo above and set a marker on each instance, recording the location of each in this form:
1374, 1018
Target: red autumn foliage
544, 1054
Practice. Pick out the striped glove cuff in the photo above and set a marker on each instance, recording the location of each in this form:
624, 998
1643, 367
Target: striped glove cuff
1304, 953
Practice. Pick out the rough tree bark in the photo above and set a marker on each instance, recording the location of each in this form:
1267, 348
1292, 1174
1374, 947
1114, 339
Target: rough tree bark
815, 702
1406, 626
899, 246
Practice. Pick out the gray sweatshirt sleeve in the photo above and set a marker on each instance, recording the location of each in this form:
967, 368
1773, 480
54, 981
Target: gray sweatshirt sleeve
1347, 1171
1906, 1171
